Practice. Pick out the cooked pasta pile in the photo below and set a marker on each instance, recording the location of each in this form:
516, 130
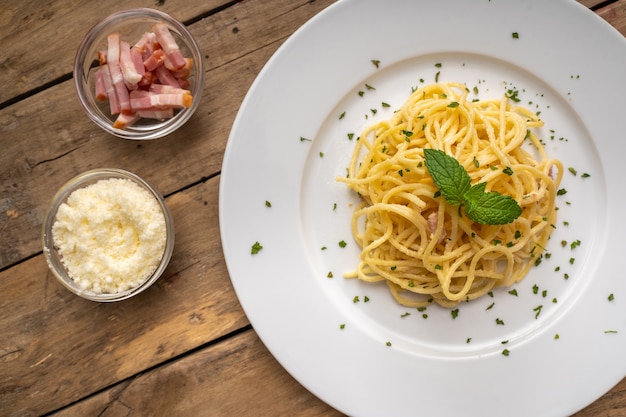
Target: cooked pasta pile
424, 248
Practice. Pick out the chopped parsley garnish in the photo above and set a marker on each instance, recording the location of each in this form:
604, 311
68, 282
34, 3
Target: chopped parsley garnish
611, 297
256, 248
455, 313
506, 352
342, 326
376, 62
515, 35
268, 204
303, 139
342, 244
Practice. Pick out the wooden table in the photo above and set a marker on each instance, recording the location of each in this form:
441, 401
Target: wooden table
184, 347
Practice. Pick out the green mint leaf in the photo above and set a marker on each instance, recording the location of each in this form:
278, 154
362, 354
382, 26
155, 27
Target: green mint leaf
490, 208
450, 176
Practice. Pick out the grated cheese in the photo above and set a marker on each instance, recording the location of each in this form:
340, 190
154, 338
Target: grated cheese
110, 235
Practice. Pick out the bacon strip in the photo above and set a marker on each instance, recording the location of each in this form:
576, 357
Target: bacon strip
153, 101
127, 66
168, 43
125, 119
165, 76
154, 59
114, 104
113, 60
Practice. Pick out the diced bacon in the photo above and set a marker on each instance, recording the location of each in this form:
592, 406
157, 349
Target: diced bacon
169, 45
113, 59
432, 220
167, 89
114, 104
127, 65
147, 80
139, 94
136, 80
165, 76
157, 101
184, 83
185, 71
158, 114
137, 62
154, 60
125, 119
101, 91
102, 57
145, 44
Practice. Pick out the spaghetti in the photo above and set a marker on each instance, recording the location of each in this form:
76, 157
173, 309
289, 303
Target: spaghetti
425, 249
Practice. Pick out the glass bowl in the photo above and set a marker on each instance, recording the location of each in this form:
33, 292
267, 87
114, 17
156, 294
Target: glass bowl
131, 26
101, 235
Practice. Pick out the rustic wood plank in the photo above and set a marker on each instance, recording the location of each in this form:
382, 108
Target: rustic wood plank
615, 14
237, 377
56, 348
39, 48
65, 143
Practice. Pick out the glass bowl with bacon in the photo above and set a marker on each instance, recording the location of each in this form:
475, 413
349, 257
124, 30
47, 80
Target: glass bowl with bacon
139, 74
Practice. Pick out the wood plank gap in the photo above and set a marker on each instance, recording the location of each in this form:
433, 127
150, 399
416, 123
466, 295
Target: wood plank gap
30, 93
165, 363
202, 180
25, 259
69, 76
211, 12
602, 5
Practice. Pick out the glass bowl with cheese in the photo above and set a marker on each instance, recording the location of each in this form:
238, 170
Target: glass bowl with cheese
108, 235
139, 74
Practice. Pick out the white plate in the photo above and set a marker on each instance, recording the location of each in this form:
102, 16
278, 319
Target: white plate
289, 143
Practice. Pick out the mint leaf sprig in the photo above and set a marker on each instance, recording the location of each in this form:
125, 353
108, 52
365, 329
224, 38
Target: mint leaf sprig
454, 183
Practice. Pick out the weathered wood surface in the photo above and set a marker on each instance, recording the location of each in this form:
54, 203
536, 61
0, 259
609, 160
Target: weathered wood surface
184, 347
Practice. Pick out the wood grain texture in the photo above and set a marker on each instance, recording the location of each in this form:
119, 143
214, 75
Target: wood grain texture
184, 347
59, 348
237, 377
30, 60
615, 14
69, 143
